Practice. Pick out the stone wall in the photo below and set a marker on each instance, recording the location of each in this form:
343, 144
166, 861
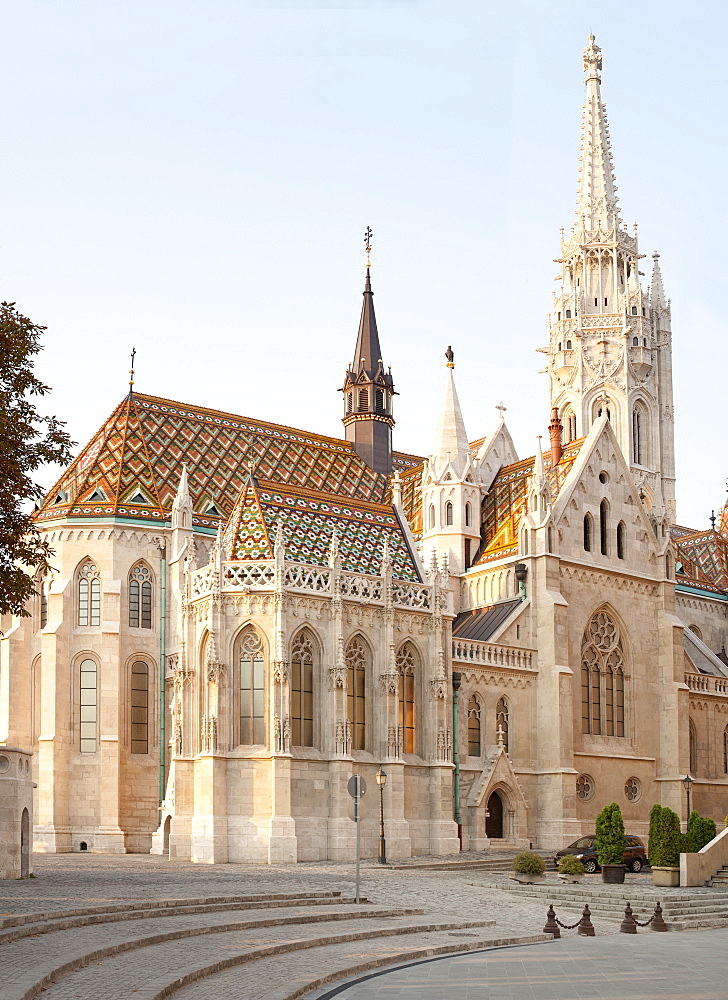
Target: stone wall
16, 812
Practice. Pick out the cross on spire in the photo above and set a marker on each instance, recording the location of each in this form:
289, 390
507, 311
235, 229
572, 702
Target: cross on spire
131, 371
368, 244
501, 407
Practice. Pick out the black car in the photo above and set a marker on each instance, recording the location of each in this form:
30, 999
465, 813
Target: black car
585, 849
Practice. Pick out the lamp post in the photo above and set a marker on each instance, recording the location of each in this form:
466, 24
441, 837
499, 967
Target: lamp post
687, 782
381, 777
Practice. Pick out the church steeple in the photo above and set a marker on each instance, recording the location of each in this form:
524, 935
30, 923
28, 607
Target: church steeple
609, 342
369, 389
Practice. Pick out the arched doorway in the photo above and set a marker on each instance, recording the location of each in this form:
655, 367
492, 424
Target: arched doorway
24, 845
494, 817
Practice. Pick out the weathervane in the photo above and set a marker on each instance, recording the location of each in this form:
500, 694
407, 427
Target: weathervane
368, 243
712, 519
131, 371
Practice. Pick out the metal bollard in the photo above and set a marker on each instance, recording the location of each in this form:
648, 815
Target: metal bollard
585, 925
658, 923
551, 926
629, 925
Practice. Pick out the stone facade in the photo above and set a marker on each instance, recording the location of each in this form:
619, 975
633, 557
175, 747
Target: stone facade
16, 813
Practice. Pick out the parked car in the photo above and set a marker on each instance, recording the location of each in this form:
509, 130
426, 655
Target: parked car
585, 849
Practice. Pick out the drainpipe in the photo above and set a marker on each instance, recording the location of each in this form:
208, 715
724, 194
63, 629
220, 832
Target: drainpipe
162, 670
456, 682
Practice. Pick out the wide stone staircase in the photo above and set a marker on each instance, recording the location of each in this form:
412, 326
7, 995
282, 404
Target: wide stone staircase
496, 862
683, 909
274, 946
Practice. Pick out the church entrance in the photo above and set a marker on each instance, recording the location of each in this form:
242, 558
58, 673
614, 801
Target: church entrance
494, 817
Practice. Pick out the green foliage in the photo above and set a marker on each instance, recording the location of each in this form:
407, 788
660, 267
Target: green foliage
611, 841
701, 831
570, 865
666, 841
27, 441
528, 863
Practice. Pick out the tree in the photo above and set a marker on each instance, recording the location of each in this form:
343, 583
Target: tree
611, 841
27, 441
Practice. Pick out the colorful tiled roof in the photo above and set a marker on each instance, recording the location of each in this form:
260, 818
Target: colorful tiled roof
505, 503
703, 556
309, 520
131, 468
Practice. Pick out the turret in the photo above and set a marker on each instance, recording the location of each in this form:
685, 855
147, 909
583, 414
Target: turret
450, 487
368, 393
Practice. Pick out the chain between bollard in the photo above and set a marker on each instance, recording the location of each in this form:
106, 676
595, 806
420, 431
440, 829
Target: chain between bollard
553, 923
631, 923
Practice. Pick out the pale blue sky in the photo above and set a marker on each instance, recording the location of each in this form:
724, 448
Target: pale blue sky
193, 178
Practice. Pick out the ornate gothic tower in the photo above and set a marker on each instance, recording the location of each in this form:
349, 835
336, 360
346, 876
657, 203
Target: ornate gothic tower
610, 345
368, 393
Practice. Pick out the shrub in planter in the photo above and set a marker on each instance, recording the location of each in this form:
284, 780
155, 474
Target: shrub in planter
569, 865
701, 831
665, 839
611, 841
528, 863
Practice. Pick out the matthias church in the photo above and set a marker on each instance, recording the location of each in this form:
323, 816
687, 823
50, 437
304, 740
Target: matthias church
241, 614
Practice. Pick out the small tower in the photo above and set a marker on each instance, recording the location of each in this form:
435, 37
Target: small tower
609, 341
450, 488
369, 390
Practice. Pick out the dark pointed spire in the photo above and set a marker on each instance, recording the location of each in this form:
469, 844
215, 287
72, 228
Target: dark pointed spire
368, 353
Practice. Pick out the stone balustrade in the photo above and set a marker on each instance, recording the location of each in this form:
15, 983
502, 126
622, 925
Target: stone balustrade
707, 684
490, 654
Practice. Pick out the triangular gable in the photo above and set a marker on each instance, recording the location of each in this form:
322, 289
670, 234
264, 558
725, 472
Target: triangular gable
497, 773
245, 535
493, 452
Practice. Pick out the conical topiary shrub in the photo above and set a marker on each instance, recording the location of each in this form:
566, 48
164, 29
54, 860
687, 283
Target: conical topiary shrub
611, 841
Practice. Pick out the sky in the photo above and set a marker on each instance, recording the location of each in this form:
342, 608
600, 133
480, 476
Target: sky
192, 178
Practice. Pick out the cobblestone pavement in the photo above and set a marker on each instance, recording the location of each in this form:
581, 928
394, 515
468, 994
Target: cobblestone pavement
678, 967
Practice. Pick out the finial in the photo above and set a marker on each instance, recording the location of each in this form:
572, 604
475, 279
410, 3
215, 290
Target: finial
368, 244
502, 408
592, 60
712, 519
450, 357
131, 372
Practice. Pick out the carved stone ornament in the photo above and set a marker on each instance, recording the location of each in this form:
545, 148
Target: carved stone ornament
390, 681
438, 688
281, 671
215, 671
337, 677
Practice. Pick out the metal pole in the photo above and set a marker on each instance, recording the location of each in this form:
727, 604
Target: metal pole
456, 681
358, 835
162, 671
382, 842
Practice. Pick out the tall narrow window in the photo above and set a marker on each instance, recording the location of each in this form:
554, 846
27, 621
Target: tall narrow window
88, 706
252, 689
357, 661
379, 397
140, 597
432, 515
363, 399
140, 707
602, 677
89, 595
693, 737
448, 513
501, 721
406, 660
621, 533
568, 419
588, 525
467, 515
474, 722
637, 431
302, 689
604, 527
40, 590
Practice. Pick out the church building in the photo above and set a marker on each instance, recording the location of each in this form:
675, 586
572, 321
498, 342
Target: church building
241, 615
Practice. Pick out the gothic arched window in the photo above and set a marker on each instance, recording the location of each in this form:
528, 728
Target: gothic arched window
474, 723
406, 661
42, 606
467, 515
568, 419
693, 737
252, 688
140, 597
448, 513
639, 435
502, 713
140, 707
357, 662
725, 750
588, 532
604, 527
89, 594
88, 700
621, 536
302, 656
602, 677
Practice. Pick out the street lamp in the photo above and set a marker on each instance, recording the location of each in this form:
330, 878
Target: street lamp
687, 782
381, 777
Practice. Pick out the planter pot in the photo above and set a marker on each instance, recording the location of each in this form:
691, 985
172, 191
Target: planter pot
666, 877
523, 877
613, 873
570, 878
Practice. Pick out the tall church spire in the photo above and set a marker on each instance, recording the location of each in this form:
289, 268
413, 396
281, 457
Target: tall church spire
369, 389
451, 441
597, 204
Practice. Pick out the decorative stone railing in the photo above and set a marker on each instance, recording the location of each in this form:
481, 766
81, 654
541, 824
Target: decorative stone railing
707, 684
489, 654
311, 579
